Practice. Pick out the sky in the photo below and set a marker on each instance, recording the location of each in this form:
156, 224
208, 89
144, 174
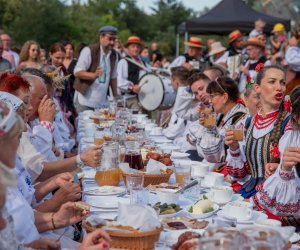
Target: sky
196, 5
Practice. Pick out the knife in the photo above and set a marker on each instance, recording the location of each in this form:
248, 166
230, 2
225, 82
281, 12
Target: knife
193, 183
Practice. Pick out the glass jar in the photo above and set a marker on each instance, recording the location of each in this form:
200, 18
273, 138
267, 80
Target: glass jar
133, 155
108, 172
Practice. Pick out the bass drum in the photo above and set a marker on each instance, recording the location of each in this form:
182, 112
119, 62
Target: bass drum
156, 92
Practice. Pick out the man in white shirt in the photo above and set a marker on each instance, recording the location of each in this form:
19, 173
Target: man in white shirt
95, 71
130, 70
8, 54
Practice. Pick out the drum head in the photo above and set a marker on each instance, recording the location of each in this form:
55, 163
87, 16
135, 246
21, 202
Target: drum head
152, 92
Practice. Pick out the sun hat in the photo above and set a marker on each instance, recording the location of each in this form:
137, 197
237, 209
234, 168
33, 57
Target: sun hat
133, 40
255, 42
234, 35
194, 42
216, 48
278, 27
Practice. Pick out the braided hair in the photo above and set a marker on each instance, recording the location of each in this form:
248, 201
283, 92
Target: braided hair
295, 100
275, 136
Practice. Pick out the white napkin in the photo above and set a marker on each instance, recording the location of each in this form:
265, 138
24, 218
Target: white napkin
124, 166
154, 167
142, 218
95, 220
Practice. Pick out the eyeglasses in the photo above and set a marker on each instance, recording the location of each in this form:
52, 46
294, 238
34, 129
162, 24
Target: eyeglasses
211, 96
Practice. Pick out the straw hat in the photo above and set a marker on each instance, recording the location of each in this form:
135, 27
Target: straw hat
194, 42
133, 40
216, 48
278, 27
255, 42
234, 35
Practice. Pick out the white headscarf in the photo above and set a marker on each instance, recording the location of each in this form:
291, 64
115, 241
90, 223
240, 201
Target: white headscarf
12, 100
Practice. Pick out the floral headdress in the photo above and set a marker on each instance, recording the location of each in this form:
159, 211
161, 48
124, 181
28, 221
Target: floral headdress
57, 79
250, 80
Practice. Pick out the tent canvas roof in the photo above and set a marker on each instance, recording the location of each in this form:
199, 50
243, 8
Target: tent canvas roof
229, 15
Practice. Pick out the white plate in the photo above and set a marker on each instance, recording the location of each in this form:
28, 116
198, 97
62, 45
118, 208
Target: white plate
105, 191
170, 147
106, 204
235, 197
88, 139
179, 154
170, 215
206, 215
226, 184
255, 216
161, 140
156, 134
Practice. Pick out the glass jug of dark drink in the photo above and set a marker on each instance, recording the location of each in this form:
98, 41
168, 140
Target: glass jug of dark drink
133, 155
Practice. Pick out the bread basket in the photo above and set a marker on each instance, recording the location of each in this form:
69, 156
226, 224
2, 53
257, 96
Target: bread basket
131, 240
153, 179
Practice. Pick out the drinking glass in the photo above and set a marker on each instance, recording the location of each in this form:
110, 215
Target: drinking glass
238, 132
183, 174
99, 138
210, 120
135, 185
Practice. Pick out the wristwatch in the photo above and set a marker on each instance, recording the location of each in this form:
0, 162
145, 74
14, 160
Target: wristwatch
79, 162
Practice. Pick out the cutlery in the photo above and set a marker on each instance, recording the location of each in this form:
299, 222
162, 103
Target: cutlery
193, 183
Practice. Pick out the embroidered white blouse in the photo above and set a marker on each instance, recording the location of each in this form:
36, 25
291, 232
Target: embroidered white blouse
280, 193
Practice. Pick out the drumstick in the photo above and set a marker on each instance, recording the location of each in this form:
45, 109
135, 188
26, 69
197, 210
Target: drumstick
137, 64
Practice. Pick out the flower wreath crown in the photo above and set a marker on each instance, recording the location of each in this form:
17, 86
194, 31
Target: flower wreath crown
250, 80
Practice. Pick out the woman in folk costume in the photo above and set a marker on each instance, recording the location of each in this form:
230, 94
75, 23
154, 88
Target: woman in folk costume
280, 193
248, 160
224, 97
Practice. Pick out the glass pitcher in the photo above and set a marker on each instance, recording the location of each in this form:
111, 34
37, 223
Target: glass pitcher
108, 172
133, 155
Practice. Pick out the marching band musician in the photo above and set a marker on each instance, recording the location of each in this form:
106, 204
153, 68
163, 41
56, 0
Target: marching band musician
233, 54
130, 70
193, 59
255, 51
183, 100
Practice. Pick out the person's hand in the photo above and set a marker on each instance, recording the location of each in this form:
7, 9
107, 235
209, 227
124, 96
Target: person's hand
201, 119
135, 89
291, 157
92, 156
46, 109
189, 140
188, 66
56, 151
67, 192
157, 64
99, 72
44, 244
70, 213
61, 179
96, 240
270, 169
244, 70
229, 141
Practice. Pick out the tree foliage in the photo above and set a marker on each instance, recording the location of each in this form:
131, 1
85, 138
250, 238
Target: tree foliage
49, 21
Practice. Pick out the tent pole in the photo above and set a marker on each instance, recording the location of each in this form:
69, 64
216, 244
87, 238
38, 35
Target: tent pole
177, 44
186, 38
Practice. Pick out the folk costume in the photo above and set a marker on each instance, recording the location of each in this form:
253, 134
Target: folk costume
248, 162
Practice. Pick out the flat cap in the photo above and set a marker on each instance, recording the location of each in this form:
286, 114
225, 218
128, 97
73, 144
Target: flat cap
108, 29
